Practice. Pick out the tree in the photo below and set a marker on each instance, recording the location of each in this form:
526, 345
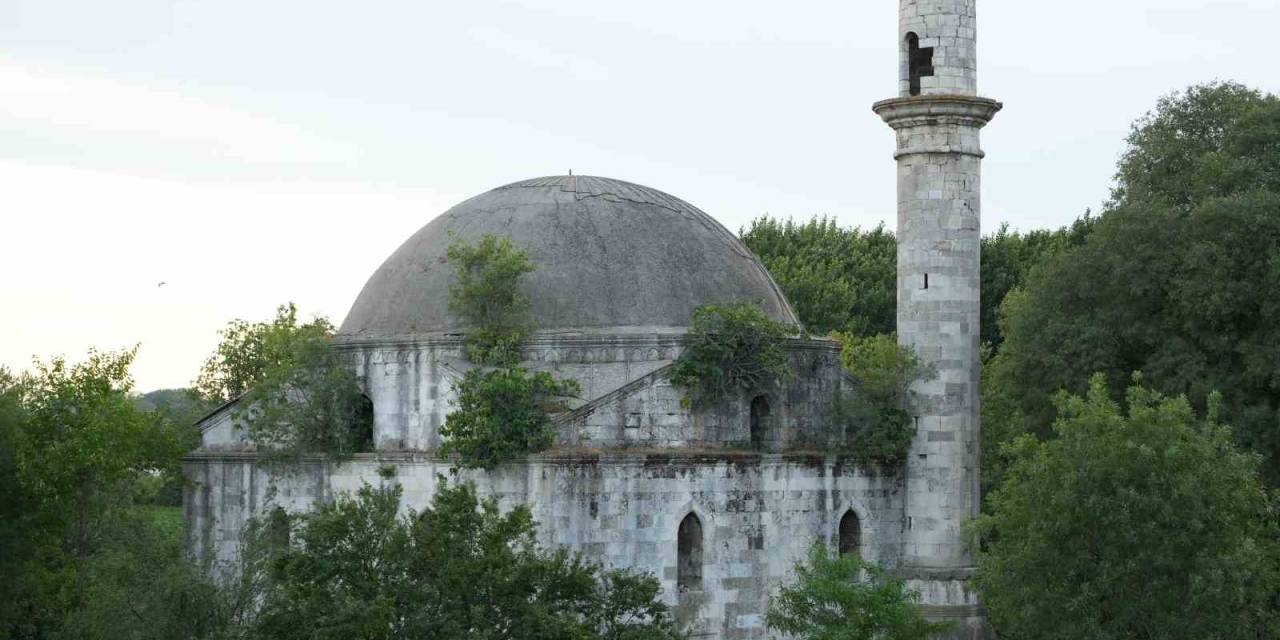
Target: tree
1145, 522
310, 404
358, 569
487, 296
837, 279
1171, 280
843, 597
143, 585
74, 447
731, 348
297, 394
249, 349
873, 418
502, 414
1008, 258
1211, 140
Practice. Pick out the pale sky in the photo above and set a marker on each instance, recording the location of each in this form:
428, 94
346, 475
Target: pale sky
251, 152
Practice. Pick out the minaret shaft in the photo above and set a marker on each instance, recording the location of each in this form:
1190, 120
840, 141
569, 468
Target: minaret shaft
937, 121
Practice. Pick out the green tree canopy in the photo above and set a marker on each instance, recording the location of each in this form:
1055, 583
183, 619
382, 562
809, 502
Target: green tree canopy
732, 348
1209, 141
487, 296
837, 279
873, 416
298, 395
502, 414
1138, 523
845, 279
73, 448
249, 350
1173, 280
843, 597
356, 568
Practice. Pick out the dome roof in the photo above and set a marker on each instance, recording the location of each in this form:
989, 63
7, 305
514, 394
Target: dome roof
607, 255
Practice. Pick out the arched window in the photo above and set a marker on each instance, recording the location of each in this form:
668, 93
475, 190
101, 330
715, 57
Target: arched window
919, 62
759, 421
850, 533
689, 554
362, 424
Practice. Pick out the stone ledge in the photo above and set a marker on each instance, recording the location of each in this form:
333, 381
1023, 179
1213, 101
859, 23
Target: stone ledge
643, 457
936, 574
953, 611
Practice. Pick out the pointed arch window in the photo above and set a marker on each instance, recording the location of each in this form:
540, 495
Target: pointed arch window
850, 533
362, 424
689, 554
759, 421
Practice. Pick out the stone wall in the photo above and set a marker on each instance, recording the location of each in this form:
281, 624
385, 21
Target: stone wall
759, 513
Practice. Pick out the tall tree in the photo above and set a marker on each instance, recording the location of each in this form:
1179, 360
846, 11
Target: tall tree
74, 447
1137, 522
837, 279
1172, 280
248, 351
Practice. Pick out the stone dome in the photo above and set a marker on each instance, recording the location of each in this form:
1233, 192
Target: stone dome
609, 257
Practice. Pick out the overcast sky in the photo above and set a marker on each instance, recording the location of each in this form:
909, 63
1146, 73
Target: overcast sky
251, 152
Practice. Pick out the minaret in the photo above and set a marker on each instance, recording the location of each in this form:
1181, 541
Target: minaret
937, 117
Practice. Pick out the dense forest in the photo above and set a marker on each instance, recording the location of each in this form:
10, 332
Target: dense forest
1131, 440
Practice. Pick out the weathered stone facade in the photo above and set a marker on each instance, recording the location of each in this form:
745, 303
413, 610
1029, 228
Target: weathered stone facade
759, 512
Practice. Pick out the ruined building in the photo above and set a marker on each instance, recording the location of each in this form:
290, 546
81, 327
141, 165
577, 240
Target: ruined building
717, 502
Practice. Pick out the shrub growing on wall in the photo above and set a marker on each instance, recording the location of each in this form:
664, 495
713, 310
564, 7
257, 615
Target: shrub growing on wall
502, 409
488, 298
502, 413
873, 417
732, 348
299, 395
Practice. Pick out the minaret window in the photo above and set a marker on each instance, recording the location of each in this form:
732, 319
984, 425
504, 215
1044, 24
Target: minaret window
689, 554
919, 62
850, 533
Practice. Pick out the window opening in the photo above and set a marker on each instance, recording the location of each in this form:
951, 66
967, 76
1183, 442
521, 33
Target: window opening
689, 554
362, 426
759, 420
850, 533
919, 62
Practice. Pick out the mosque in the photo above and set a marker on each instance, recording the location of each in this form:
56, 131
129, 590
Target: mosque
637, 479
